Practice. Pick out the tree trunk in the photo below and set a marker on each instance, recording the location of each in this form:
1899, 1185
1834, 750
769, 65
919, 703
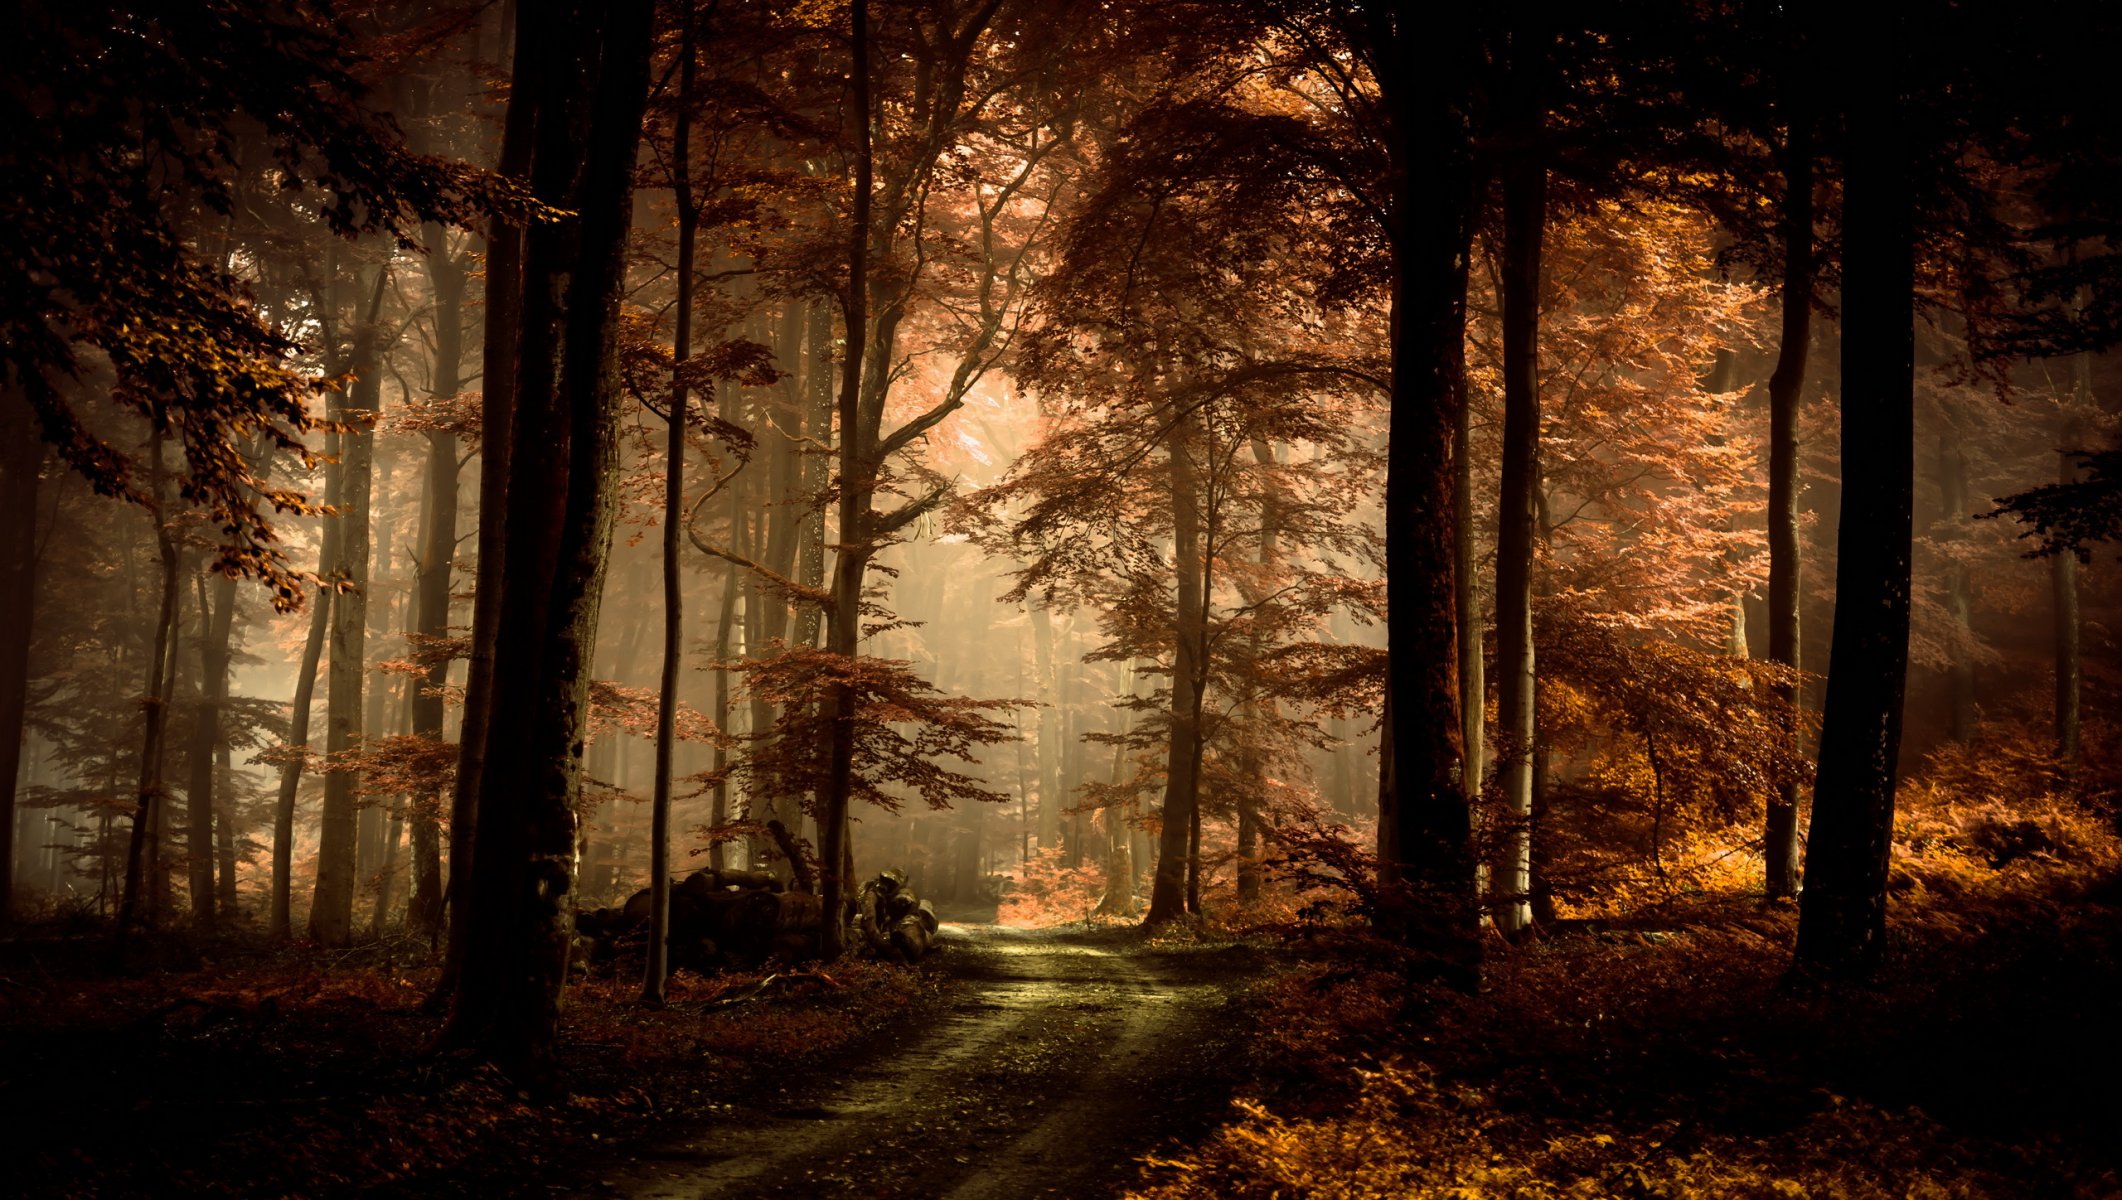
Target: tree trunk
1954, 528
2063, 576
673, 514
1424, 821
1785, 570
1473, 668
585, 68
216, 620
141, 855
331, 914
1119, 898
1176, 888
1051, 801
298, 745
21, 460
497, 405
851, 561
225, 830
434, 571
1524, 222
1842, 921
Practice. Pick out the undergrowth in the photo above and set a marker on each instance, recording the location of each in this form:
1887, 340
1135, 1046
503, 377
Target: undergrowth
1666, 1051
255, 1071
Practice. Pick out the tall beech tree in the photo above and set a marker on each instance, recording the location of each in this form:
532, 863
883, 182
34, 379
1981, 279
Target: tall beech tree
582, 80
1524, 187
1842, 914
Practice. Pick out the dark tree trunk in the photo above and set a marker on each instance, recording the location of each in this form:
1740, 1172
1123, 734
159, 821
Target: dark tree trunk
21, 459
331, 914
658, 964
1175, 891
851, 561
1842, 921
586, 70
1786, 389
224, 830
2063, 578
216, 620
1955, 526
497, 405
1424, 821
298, 743
438, 553
142, 883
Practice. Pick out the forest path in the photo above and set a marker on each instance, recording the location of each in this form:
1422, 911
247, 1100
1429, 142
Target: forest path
1061, 1059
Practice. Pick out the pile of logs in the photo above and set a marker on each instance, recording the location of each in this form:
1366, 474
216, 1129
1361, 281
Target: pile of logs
717, 918
890, 921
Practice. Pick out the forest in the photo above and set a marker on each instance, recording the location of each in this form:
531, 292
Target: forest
1179, 599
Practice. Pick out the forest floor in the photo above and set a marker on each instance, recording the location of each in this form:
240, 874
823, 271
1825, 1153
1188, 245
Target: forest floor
1062, 1058
1670, 1055
1008, 1064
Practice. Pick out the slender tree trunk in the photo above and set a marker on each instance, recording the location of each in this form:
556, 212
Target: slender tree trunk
1954, 528
394, 831
1842, 918
331, 914
225, 830
141, 856
497, 405
586, 70
1119, 898
298, 745
2063, 578
851, 561
438, 553
1524, 223
1786, 390
1473, 668
21, 460
725, 622
1051, 801
1176, 889
673, 515
216, 620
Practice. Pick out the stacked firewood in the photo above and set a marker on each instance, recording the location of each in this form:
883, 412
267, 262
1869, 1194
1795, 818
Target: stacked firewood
890, 922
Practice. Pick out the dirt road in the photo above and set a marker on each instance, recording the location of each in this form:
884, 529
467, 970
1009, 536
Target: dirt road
1063, 1058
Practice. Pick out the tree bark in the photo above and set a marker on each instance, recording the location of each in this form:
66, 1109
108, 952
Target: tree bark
21, 460
141, 883
216, 620
658, 965
851, 560
1842, 917
224, 829
1424, 821
298, 744
497, 405
1955, 521
1524, 223
1786, 388
586, 71
1051, 801
434, 571
331, 914
2063, 577
1175, 891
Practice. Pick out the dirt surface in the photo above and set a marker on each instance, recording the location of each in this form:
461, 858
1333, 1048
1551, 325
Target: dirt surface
1062, 1059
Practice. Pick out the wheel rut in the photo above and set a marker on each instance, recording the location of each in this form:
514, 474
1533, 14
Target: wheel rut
1063, 1060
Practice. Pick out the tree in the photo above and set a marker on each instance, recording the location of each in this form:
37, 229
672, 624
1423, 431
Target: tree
1842, 914
582, 74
